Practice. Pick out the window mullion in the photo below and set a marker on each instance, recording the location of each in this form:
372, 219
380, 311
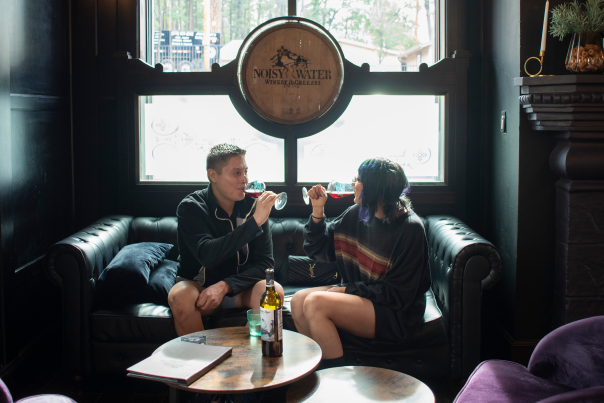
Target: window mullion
291, 7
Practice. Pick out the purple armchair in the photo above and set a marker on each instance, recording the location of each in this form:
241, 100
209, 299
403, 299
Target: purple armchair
6, 397
566, 366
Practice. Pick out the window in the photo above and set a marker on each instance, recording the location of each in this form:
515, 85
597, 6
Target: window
405, 129
180, 26
378, 32
176, 131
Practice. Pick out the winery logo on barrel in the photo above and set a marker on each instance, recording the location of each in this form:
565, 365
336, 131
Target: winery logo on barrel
291, 70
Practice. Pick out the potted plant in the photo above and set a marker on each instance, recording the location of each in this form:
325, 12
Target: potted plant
585, 21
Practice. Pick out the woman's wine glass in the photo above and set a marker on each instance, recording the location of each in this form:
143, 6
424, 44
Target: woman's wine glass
336, 189
256, 188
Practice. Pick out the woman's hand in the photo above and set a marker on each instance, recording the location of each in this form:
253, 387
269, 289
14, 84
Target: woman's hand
318, 197
337, 289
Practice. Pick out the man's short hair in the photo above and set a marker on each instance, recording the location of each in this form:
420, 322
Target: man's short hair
220, 154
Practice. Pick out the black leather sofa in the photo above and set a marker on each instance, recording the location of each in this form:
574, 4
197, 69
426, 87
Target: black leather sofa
462, 265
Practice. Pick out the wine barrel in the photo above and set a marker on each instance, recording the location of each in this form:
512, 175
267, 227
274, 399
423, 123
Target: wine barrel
290, 71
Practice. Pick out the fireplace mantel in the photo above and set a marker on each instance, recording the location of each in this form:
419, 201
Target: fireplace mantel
571, 108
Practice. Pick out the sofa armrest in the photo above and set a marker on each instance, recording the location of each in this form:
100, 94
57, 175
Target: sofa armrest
572, 354
74, 264
462, 265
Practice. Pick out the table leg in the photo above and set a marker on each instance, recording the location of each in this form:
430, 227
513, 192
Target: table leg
173, 395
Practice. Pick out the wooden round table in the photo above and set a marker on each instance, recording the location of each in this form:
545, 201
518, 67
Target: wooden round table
359, 384
247, 370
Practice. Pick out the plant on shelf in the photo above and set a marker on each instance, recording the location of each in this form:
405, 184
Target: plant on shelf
585, 21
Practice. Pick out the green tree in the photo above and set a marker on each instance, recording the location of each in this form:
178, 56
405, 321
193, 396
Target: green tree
385, 24
389, 27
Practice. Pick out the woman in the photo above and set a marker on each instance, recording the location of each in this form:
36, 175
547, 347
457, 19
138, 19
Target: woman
380, 247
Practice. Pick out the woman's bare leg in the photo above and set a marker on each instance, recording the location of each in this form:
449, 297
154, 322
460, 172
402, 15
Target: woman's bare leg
326, 311
297, 305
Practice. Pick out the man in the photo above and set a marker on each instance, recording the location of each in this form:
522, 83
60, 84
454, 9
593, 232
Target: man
224, 243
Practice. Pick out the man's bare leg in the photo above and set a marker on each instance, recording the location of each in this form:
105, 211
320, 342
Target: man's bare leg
182, 300
250, 298
187, 316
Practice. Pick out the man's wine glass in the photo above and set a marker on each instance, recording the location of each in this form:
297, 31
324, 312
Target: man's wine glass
256, 188
336, 189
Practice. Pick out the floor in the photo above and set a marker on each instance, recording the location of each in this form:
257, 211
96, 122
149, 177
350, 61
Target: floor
106, 389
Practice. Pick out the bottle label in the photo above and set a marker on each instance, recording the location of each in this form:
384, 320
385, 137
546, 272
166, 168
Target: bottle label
271, 324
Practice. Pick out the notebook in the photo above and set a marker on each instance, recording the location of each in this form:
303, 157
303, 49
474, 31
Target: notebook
180, 362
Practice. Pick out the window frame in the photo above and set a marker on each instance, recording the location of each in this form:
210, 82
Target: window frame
447, 77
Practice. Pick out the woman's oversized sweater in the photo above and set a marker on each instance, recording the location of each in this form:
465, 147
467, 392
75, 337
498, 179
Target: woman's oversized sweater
385, 263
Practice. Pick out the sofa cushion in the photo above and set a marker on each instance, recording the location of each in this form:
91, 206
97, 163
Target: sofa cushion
161, 281
127, 275
150, 323
133, 322
497, 381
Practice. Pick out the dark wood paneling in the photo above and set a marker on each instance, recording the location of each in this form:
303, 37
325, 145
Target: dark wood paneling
475, 158
128, 26
108, 148
501, 60
85, 123
35, 298
36, 207
39, 48
41, 159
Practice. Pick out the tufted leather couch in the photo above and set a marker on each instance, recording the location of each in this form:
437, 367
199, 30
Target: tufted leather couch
462, 265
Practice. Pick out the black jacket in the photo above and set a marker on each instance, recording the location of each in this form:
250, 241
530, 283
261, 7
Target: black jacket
209, 240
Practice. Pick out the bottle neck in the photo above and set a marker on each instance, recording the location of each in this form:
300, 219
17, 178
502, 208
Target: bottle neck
270, 280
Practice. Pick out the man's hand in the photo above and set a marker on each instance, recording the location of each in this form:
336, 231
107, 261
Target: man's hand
211, 297
337, 289
264, 204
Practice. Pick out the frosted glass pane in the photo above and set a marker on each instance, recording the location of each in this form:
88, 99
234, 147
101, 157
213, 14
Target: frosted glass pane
405, 129
177, 133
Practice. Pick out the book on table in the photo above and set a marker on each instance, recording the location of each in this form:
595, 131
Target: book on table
179, 362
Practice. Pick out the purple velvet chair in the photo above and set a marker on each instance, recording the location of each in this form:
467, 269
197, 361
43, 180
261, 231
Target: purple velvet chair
5, 397
566, 366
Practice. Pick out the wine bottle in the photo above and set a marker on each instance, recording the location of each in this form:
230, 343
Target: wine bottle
271, 318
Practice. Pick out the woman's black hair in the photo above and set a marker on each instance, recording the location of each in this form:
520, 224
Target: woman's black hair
384, 182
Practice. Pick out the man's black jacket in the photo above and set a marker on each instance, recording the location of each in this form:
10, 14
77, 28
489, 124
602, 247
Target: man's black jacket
210, 241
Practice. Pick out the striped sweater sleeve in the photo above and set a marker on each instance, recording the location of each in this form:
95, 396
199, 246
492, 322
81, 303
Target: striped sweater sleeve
408, 275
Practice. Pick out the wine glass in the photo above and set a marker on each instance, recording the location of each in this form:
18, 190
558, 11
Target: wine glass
336, 189
256, 188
